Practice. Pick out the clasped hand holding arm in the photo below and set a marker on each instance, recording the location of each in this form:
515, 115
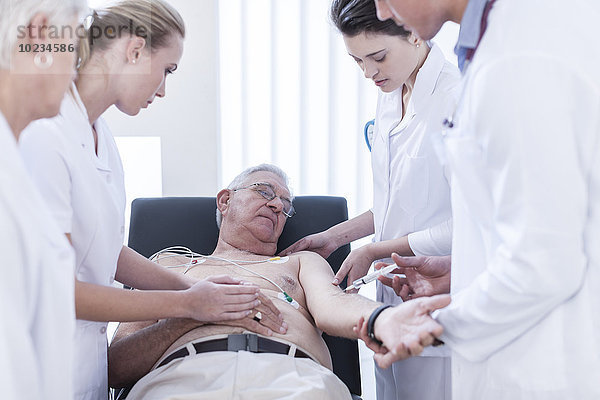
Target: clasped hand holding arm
165, 294
404, 330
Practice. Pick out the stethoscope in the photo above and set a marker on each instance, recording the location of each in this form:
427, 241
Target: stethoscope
449, 122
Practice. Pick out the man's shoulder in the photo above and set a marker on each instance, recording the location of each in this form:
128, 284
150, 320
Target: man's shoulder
311, 259
308, 255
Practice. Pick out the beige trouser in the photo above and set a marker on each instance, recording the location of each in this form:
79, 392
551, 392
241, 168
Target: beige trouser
239, 376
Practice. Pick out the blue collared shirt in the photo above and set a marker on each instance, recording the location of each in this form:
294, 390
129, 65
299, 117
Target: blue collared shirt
470, 27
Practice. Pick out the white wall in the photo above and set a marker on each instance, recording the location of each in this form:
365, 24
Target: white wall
187, 119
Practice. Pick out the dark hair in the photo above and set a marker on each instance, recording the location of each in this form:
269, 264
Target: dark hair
353, 17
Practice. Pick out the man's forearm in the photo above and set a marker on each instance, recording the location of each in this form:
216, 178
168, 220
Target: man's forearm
339, 313
131, 356
334, 311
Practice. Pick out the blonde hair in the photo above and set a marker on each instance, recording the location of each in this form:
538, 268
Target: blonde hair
154, 20
16, 15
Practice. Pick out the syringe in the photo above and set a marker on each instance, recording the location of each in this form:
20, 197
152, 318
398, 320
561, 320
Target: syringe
372, 276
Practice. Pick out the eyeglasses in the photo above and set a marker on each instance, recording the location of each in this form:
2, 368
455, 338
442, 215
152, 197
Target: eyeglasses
267, 191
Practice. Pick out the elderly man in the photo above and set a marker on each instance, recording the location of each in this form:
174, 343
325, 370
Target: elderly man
185, 358
523, 146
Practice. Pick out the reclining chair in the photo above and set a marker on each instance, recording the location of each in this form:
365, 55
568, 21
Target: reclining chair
157, 223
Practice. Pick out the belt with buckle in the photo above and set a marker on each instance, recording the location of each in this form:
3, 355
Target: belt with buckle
241, 342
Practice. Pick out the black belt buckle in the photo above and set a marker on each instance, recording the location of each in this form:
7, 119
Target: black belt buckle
244, 341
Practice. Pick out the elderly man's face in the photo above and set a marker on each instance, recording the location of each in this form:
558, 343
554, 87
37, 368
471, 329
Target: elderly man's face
263, 218
422, 17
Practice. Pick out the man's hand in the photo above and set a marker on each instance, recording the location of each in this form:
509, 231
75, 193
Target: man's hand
271, 319
321, 243
356, 265
425, 276
404, 330
221, 298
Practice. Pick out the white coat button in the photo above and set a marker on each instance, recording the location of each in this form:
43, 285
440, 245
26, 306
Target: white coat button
103, 330
122, 230
111, 280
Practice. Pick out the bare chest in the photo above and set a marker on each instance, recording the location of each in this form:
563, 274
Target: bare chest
273, 278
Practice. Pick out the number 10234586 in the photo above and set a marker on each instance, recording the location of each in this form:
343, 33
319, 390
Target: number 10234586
43, 48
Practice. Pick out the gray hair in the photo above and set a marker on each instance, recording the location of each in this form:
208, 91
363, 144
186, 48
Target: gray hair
16, 14
239, 180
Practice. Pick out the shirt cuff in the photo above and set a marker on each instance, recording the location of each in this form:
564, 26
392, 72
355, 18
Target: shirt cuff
434, 241
422, 244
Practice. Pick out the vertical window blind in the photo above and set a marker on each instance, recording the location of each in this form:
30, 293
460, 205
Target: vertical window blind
290, 95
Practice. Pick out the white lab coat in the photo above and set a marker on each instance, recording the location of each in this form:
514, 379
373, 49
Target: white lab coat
412, 197
86, 195
524, 322
36, 288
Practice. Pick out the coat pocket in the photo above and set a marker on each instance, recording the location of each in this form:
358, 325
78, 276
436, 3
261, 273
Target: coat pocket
412, 191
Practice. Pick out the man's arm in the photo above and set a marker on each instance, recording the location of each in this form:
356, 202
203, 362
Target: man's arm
137, 346
334, 311
337, 313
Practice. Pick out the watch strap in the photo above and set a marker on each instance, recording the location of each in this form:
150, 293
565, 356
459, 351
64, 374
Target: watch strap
371, 322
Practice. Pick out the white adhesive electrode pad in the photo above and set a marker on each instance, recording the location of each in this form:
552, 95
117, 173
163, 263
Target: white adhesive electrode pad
279, 260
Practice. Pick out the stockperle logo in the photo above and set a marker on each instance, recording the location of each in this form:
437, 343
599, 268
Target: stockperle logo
86, 30
66, 38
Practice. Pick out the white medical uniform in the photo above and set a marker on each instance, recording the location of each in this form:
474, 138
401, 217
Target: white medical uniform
524, 322
37, 304
85, 193
412, 196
